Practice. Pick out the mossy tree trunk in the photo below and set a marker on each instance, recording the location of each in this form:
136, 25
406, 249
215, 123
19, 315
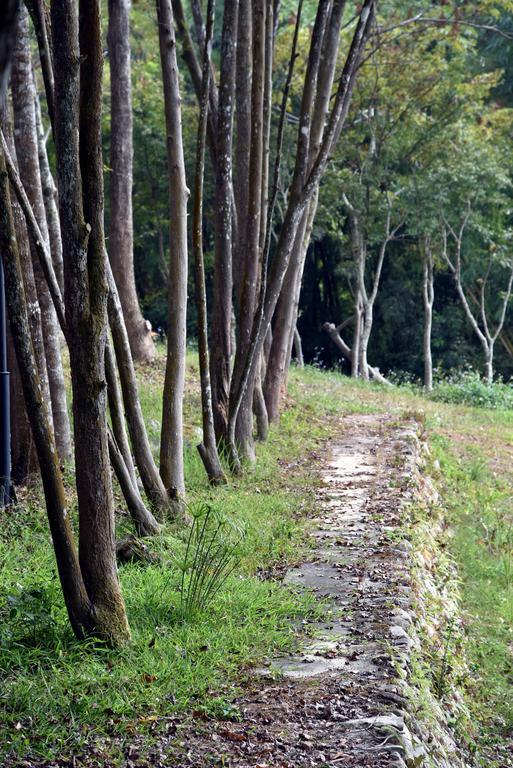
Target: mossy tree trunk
78, 91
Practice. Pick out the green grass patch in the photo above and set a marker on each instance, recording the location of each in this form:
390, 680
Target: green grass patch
57, 694
478, 500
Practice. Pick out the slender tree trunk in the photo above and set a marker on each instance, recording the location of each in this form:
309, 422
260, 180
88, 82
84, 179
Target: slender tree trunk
145, 523
78, 77
207, 448
29, 284
285, 319
348, 353
488, 366
357, 335
80, 609
39, 14
121, 233
193, 65
151, 480
222, 299
251, 261
260, 407
50, 201
298, 349
171, 445
368, 318
27, 150
23, 449
243, 109
117, 416
428, 299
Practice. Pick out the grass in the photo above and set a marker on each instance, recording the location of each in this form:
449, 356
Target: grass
478, 502
57, 695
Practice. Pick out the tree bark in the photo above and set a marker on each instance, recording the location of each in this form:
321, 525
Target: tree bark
357, 335
207, 448
243, 109
428, 296
50, 201
39, 15
80, 609
27, 150
151, 480
171, 444
117, 416
298, 349
250, 261
121, 233
222, 290
145, 523
23, 449
315, 109
29, 284
78, 89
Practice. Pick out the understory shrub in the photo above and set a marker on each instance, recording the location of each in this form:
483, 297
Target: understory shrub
468, 388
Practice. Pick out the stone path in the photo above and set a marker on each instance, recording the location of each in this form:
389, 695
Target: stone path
338, 702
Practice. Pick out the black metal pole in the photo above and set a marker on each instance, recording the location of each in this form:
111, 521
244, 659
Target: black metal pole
5, 413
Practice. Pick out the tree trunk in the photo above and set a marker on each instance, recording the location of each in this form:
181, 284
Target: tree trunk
50, 201
39, 14
171, 445
285, 319
339, 342
207, 448
302, 190
244, 69
29, 287
488, 369
368, 319
80, 609
23, 449
117, 416
250, 261
121, 234
428, 299
145, 523
78, 78
357, 335
151, 480
27, 151
298, 349
260, 407
222, 297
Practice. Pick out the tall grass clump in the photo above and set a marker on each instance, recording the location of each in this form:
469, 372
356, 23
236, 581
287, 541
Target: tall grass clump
211, 555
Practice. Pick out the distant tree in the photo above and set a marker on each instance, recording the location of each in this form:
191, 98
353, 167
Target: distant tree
121, 240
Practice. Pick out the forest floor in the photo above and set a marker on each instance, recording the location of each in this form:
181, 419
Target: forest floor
191, 693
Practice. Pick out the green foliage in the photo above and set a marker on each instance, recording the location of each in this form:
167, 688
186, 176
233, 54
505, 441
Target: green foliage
210, 557
468, 388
